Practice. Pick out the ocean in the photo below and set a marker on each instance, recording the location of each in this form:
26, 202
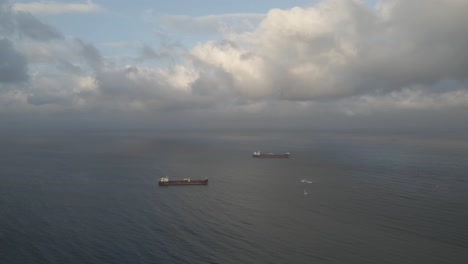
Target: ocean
93, 197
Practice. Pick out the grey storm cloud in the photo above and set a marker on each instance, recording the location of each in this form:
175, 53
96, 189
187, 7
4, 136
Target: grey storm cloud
7, 24
25, 24
44, 99
33, 28
13, 65
90, 53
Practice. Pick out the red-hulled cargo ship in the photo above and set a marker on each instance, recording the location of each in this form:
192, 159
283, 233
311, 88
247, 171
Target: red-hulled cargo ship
258, 154
187, 181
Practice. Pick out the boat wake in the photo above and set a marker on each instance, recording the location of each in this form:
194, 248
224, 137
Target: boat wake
306, 181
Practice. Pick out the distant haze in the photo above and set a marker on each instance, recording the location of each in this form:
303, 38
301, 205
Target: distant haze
391, 65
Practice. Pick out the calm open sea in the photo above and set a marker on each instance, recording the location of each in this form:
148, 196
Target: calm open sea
94, 198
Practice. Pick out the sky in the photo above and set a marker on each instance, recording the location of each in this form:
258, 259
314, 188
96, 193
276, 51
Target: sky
338, 65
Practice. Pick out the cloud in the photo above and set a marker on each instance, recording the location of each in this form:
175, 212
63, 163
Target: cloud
340, 49
31, 27
89, 53
6, 18
118, 44
13, 66
24, 24
163, 52
52, 7
412, 99
337, 64
68, 91
211, 24
145, 89
297, 54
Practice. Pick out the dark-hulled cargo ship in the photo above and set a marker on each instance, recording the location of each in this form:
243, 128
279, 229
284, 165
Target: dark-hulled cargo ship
187, 181
258, 154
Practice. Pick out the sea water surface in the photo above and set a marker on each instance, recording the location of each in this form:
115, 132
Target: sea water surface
93, 197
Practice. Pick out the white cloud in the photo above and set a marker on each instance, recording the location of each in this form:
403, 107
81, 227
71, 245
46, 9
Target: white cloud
341, 48
246, 70
52, 7
296, 54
